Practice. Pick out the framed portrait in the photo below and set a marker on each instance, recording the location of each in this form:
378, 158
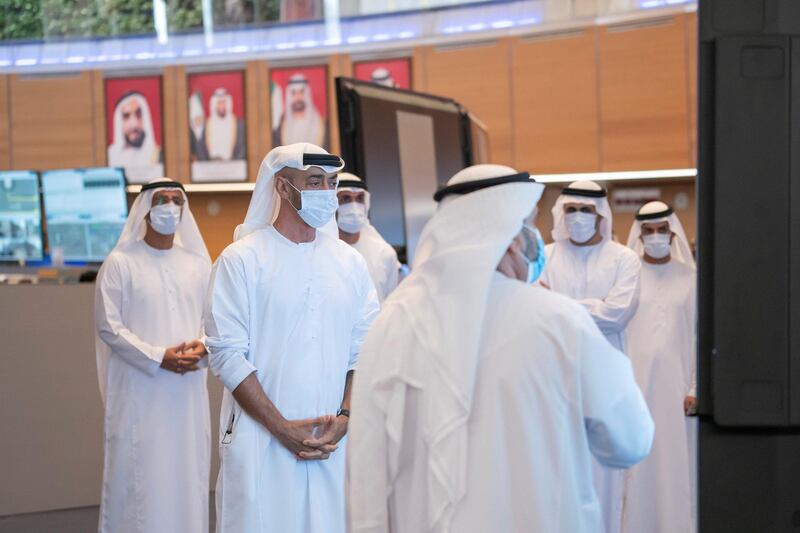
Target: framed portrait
217, 132
133, 127
299, 103
388, 72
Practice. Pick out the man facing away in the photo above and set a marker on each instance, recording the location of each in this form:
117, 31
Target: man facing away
150, 362
287, 309
480, 398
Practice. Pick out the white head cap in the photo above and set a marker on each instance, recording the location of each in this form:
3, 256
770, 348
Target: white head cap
661, 212
265, 203
583, 192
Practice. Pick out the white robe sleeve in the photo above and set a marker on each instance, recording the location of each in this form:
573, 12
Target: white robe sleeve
369, 307
392, 273
124, 343
618, 422
612, 313
226, 323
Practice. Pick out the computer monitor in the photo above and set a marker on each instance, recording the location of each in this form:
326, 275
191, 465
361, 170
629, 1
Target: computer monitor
20, 216
85, 211
404, 145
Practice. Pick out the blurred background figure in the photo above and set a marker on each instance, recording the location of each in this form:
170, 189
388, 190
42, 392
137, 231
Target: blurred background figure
355, 229
660, 492
585, 264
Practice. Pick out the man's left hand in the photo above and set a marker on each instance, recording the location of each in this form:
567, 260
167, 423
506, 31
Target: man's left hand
332, 433
195, 347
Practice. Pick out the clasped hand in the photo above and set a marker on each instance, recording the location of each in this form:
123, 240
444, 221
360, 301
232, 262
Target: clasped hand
312, 438
184, 357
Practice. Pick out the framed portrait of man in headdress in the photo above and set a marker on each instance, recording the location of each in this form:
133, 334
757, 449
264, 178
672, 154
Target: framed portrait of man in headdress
133, 127
217, 140
394, 73
299, 105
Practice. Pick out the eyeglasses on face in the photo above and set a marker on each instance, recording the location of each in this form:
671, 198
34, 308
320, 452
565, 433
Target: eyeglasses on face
163, 200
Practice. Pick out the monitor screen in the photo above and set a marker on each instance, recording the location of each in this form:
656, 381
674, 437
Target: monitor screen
20, 216
86, 210
404, 145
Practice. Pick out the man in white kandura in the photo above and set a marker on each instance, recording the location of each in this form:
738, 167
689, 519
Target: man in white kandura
659, 492
480, 399
150, 364
603, 276
355, 230
288, 307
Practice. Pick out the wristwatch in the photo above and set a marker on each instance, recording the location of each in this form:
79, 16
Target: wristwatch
343, 412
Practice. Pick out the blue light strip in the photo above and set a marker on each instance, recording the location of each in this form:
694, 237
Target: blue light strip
285, 41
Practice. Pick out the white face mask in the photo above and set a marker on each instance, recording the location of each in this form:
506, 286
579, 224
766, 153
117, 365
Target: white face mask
165, 218
317, 207
581, 226
351, 217
657, 245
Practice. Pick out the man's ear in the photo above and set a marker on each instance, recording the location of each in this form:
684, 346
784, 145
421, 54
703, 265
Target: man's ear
281, 187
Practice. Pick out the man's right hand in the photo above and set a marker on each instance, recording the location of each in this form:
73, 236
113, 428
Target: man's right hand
176, 361
292, 433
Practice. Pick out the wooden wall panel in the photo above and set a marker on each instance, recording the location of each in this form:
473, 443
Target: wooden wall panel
691, 62
477, 75
5, 128
554, 95
418, 68
99, 119
182, 142
622, 97
259, 134
643, 95
176, 163
217, 216
51, 119
338, 65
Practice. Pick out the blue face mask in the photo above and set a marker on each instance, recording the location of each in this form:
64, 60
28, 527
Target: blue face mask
317, 207
533, 252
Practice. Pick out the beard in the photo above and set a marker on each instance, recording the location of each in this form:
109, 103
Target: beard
299, 106
135, 138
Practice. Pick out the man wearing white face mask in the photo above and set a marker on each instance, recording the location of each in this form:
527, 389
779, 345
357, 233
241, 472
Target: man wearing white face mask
659, 492
603, 276
355, 230
481, 399
288, 307
151, 369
